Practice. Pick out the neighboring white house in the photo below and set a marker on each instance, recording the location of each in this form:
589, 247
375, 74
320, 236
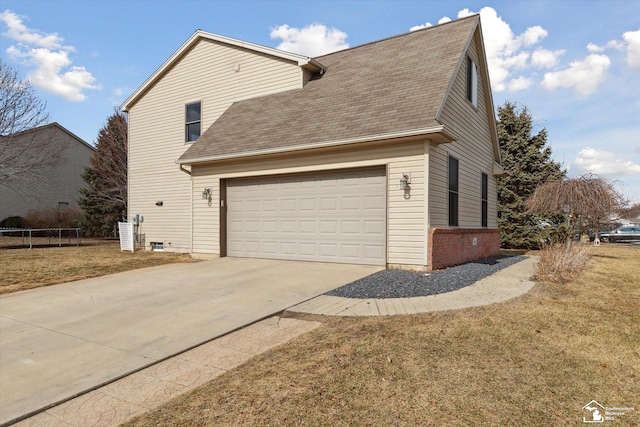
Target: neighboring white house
383, 154
57, 187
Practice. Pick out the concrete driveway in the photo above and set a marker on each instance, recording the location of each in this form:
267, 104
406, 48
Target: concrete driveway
60, 341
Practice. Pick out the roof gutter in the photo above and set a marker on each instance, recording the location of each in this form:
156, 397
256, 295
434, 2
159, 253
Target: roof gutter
444, 138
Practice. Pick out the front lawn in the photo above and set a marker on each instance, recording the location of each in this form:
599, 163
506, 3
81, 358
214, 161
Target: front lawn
31, 268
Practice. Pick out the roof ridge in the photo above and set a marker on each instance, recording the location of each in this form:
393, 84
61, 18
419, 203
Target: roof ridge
453, 21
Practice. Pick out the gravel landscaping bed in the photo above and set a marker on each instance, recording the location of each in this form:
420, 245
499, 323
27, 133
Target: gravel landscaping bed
407, 284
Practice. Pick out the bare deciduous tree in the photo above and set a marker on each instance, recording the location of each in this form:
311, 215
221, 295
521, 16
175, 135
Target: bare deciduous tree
27, 154
588, 201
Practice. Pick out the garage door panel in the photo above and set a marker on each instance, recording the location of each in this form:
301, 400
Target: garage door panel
236, 226
270, 205
373, 253
253, 205
269, 248
329, 203
328, 250
253, 226
337, 216
374, 202
328, 226
351, 202
288, 248
270, 226
307, 249
288, 205
308, 204
350, 227
288, 226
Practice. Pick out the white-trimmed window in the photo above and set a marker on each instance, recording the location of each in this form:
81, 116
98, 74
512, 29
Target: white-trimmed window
472, 82
454, 189
485, 200
192, 121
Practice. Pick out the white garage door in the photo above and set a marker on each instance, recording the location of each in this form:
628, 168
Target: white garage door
337, 216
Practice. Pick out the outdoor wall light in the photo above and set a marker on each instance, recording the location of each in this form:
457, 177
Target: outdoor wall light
206, 193
405, 181
159, 203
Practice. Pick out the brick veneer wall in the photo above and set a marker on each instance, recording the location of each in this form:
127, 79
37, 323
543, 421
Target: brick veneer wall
453, 246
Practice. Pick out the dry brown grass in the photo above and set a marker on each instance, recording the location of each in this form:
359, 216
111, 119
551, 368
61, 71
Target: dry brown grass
561, 264
533, 361
31, 268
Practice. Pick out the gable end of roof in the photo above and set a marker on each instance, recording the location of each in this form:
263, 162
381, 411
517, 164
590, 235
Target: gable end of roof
302, 61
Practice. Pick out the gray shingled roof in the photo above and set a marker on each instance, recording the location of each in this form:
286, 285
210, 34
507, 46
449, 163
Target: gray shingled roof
392, 85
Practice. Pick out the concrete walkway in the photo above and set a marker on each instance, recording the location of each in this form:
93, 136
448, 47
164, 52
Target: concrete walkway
503, 285
149, 388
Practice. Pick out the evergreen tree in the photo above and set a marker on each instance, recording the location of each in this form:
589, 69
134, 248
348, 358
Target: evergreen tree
528, 158
104, 200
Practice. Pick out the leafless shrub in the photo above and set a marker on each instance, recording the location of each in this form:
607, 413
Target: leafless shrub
53, 218
561, 264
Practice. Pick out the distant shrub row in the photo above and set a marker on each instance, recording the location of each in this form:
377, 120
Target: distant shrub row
45, 218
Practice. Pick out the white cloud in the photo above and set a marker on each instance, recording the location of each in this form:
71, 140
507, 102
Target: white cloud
421, 26
584, 76
509, 54
611, 44
519, 83
633, 48
504, 48
17, 31
592, 47
312, 40
53, 71
442, 20
544, 58
605, 163
532, 35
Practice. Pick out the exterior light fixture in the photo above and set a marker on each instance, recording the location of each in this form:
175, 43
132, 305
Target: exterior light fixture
405, 181
206, 193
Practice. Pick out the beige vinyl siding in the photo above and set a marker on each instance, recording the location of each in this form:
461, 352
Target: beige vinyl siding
473, 149
216, 75
63, 185
406, 230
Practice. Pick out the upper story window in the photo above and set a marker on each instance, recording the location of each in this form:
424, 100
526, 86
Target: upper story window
485, 200
192, 121
453, 191
472, 82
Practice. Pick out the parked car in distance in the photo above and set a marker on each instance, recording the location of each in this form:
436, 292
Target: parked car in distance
626, 234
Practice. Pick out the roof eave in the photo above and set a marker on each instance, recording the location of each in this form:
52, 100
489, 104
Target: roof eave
435, 134
499, 171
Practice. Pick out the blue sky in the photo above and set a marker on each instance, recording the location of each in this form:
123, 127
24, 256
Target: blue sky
574, 64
